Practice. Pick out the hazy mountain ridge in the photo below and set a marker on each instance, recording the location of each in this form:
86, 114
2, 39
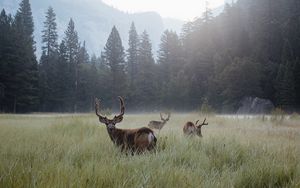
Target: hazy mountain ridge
94, 21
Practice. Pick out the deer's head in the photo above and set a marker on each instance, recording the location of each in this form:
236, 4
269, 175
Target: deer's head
198, 127
164, 120
110, 123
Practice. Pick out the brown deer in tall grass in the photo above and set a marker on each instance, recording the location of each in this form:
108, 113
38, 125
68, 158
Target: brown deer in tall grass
159, 124
192, 129
134, 140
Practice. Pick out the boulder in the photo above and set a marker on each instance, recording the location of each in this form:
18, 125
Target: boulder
255, 105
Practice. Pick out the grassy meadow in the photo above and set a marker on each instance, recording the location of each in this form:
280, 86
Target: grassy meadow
75, 151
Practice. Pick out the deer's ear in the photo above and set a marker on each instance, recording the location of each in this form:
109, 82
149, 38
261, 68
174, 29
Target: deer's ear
118, 119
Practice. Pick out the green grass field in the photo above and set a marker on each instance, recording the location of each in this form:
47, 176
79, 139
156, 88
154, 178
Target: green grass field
75, 151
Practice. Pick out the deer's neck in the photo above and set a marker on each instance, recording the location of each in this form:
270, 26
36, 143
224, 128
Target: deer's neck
199, 131
116, 135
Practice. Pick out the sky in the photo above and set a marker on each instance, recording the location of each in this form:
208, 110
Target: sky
185, 10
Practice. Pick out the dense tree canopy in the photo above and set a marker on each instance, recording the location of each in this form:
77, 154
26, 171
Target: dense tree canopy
252, 49
19, 72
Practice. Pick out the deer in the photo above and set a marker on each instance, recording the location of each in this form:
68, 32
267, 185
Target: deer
135, 140
191, 129
159, 124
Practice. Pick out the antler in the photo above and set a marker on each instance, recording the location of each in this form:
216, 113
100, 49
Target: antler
169, 115
161, 117
97, 104
97, 110
119, 117
122, 107
203, 123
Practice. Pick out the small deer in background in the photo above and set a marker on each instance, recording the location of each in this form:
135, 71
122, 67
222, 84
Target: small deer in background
192, 129
159, 124
134, 140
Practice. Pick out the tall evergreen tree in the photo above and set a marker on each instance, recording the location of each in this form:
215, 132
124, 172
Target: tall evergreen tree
26, 97
50, 36
49, 64
85, 78
24, 16
132, 53
83, 56
114, 55
285, 80
146, 87
72, 44
239, 79
132, 61
170, 54
72, 50
170, 59
7, 62
65, 84
43, 83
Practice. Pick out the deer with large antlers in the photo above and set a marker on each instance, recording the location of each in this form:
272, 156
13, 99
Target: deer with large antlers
159, 124
192, 129
134, 140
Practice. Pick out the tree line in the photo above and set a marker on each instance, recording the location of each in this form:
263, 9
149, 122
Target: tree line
251, 49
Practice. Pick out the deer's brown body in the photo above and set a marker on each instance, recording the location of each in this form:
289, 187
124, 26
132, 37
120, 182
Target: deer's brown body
134, 140
191, 129
159, 124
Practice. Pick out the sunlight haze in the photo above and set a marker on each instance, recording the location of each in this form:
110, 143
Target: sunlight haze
184, 10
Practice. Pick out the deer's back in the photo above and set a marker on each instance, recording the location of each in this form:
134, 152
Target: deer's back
141, 139
189, 128
155, 124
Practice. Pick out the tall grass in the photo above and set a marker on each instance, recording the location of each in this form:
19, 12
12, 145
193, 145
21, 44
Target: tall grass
75, 151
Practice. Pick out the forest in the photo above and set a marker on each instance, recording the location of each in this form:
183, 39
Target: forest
252, 49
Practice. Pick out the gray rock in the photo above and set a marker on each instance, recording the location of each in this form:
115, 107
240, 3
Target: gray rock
255, 105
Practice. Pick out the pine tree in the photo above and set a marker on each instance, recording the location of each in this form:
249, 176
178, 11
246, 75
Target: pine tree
146, 87
72, 50
239, 79
43, 83
7, 62
49, 64
169, 54
50, 36
132, 54
285, 80
132, 63
114, 56
94, 60
26, 96
170, 64
285, 86
83, 56
65, 84
85, 76
93, 80
72, 44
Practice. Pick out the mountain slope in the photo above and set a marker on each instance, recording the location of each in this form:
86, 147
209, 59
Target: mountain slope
94, 20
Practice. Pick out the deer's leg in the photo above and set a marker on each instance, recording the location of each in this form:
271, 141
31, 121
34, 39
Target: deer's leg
123, 148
